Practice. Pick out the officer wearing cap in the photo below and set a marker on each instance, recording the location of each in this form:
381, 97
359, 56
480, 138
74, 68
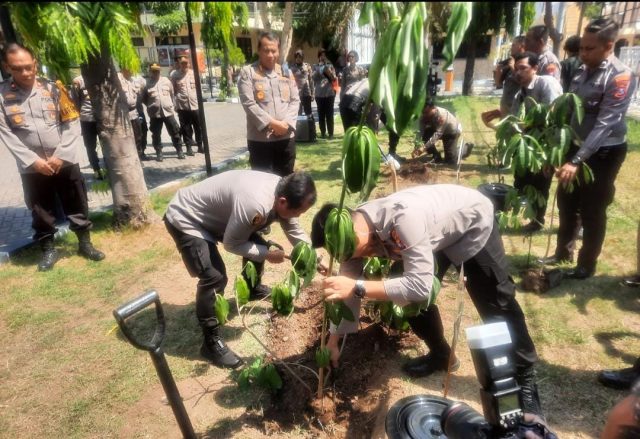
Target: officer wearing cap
302, 72
231, 208
39, 126
270, 98
605, 86
88, 124
158, 96
184, 84
536, 41
437, 123
324, 76
418, 226
352, 73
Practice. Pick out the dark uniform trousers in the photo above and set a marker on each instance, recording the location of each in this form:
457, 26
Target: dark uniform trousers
305, 105
172, 128
90, 137
203, 260
394, 138
542, 183
40, 196
144, 128
136, 125
325, 114
276, 157
589, 202
493, 293
449, 143
190, 123
349, 117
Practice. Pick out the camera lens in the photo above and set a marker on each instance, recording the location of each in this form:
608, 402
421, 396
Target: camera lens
459, 421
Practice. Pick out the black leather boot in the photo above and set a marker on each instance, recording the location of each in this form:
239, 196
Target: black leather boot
259, 292
159, 156
427, 364
86, 249
526, 378
621, 379
49, 254
181, 155
215, 350
190, 151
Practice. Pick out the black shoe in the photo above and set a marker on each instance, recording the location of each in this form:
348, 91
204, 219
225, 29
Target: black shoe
620, 379
190, 151
398, 158
427, 364
87, 250
49, 257
259, 292
99, 174
631, 282
526, 378
532, 227
181, 155
578, 273
143, 157
554, 260
159, 156
200, 150
215, 350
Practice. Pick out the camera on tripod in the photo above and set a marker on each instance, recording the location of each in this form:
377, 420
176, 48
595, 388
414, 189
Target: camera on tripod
427, 416
432, 80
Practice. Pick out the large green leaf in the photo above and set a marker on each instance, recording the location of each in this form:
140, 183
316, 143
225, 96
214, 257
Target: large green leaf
221, 308
459, 20
242, 291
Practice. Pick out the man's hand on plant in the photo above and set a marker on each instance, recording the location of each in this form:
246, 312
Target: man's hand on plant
338, 287
417, 152
275, 256
42, 167
488, 116
567, 173
334, 349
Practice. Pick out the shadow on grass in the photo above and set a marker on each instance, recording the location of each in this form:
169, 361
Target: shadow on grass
606, 339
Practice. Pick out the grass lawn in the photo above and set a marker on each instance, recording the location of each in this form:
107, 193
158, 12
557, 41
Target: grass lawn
66, 372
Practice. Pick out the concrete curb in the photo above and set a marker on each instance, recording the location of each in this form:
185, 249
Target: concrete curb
63, 228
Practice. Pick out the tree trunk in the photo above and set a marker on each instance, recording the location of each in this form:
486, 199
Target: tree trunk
131, 204
225, 84
555, 36
263, 7
467, 83
287, 32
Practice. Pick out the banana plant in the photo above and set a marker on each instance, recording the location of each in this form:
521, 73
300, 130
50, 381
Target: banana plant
538, 137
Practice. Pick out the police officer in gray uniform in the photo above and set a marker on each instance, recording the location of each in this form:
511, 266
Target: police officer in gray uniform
270, 98
88, 124
544, 90
437, 123
352, 73
158, 97
230, 208
44, 138
605, 86
184, 85
133, 87
302, 72
536, 41
418, 226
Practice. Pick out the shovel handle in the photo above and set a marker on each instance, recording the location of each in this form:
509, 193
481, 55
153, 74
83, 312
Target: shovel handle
133, 307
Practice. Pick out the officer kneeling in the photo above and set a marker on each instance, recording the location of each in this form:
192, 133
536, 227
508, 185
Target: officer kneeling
419, 225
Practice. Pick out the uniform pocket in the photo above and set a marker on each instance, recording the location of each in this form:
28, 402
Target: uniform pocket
17, 118
285, 90
261, 91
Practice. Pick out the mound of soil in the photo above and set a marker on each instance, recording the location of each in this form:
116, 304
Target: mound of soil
540, 281
354, 393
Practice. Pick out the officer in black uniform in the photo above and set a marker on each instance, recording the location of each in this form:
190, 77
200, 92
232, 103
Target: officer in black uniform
605, 86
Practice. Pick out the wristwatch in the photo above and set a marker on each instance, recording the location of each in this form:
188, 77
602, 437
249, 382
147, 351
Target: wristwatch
576, 160
359, 290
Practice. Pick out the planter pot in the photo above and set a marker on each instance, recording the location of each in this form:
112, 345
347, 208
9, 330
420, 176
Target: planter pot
496, 192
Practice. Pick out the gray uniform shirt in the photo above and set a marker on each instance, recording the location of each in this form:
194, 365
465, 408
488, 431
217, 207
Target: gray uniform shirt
544, 89
351, 75
31, 128
80, 97
132, 88
302, 75
412, 224
184, 86
321, 83
443, 123
606, 93
548, 65
230, 207
267, 95
158, 97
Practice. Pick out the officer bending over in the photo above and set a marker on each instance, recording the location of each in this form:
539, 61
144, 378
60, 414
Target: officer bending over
230, 208
458, 225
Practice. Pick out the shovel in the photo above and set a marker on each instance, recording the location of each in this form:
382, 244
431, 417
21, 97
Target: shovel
154, 347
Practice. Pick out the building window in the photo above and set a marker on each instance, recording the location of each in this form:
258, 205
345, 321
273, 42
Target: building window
137, 41
244, 43
172, 41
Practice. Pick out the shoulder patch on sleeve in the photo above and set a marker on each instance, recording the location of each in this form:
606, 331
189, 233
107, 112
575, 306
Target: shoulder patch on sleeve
395, 236
621, 83
257, 219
